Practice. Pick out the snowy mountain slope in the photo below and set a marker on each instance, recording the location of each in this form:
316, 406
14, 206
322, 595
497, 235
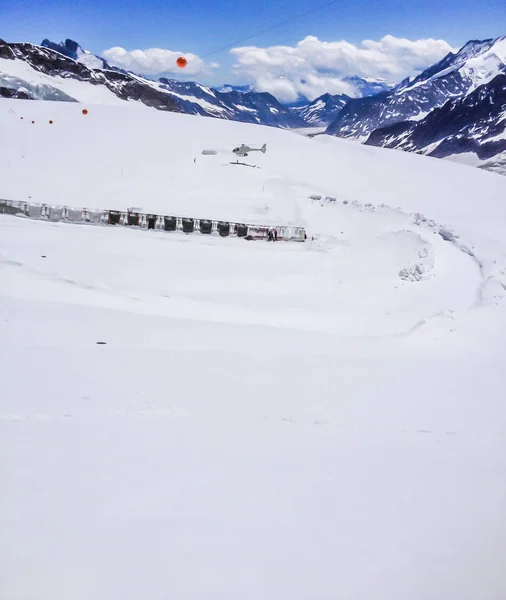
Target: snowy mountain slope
247, 107
335, 402
455, 76
477, 62
323, 110
39, 68
474, 124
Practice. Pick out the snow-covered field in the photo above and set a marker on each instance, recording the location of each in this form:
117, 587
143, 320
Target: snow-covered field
323, 420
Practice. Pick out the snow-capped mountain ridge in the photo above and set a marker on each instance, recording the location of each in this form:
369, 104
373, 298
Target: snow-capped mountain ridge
418, 115
477, 61
72, 49
475, 123
323, 110
454, 76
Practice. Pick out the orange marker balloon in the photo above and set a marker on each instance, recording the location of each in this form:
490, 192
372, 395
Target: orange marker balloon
182, 62
85, 112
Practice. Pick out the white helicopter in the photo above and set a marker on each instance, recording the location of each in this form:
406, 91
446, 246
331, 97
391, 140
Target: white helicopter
243, 150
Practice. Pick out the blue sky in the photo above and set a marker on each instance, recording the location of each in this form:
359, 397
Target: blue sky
199, 27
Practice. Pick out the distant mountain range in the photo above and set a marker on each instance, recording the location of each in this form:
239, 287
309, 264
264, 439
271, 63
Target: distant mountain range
67, 60
454, 76
454, 109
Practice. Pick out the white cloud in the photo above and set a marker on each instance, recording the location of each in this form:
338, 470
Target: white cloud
314, 67
155, 61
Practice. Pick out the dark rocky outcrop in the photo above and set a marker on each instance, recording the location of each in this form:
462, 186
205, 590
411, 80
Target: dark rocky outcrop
8, 93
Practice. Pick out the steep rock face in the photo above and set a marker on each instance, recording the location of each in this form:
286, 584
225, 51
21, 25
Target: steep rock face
52, 63
456, 75
69, 48
6, 51
73, 50
474, 123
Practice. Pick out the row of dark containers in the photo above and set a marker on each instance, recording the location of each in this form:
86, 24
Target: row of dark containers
149, 221
186, 225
